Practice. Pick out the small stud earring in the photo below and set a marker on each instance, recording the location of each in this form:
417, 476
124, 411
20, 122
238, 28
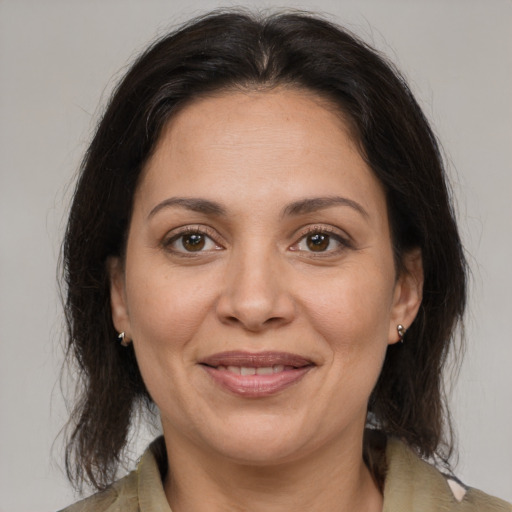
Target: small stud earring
401, 332
124, 340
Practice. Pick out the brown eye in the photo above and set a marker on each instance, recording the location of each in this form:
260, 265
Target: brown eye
190, 242
193, 242
321, 243
318, 242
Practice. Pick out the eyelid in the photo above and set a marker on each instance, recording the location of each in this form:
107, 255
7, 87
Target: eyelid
201, 229
323, 228
339, 235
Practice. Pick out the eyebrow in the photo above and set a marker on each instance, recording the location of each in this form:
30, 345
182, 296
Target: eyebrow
300, 207
190, 203
314, 204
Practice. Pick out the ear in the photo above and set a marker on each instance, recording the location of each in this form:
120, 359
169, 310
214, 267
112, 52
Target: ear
118, 306
408, 293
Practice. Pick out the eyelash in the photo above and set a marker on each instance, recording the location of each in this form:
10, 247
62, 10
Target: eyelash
342, 241
206, 233
201, 231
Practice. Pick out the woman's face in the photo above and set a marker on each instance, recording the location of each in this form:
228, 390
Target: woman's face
259, 286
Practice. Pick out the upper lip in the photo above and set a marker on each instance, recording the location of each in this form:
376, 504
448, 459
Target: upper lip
256, 359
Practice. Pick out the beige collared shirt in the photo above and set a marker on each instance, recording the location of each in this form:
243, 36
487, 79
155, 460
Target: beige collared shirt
411, 485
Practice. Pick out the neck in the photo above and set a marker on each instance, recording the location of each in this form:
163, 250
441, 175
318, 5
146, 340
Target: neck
331, 478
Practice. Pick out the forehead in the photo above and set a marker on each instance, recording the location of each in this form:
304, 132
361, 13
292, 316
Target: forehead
233, 117
259, 142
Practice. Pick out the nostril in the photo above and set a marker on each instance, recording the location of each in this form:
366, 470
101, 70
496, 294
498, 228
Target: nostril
254, 307
273, 320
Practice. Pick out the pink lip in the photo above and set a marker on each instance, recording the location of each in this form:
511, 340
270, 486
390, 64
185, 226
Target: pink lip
256, 359
255, 386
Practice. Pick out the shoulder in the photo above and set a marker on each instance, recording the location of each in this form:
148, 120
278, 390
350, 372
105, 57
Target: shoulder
142, 489
413, 484
120, 496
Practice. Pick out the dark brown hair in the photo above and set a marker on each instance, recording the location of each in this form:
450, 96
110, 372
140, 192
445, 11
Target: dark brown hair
237, 50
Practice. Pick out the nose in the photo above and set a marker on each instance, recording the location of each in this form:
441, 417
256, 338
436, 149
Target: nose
256, 295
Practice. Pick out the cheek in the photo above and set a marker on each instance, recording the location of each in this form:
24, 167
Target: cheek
351, 304
352, 314
167, 306
167, 309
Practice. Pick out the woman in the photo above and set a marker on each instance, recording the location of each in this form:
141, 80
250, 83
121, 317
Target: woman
262, 245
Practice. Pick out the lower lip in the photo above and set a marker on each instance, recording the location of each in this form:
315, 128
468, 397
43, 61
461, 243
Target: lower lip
256, 386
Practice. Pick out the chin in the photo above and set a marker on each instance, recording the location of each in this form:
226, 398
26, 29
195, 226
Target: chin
267, 441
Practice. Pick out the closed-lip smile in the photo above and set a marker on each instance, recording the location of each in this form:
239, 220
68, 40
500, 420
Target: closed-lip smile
256, 374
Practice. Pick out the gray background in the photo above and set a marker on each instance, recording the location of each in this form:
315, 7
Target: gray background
58, 62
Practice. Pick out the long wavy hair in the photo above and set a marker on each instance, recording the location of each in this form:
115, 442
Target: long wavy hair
237, 50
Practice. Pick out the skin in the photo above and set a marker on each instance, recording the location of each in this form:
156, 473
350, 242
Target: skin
259, 284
